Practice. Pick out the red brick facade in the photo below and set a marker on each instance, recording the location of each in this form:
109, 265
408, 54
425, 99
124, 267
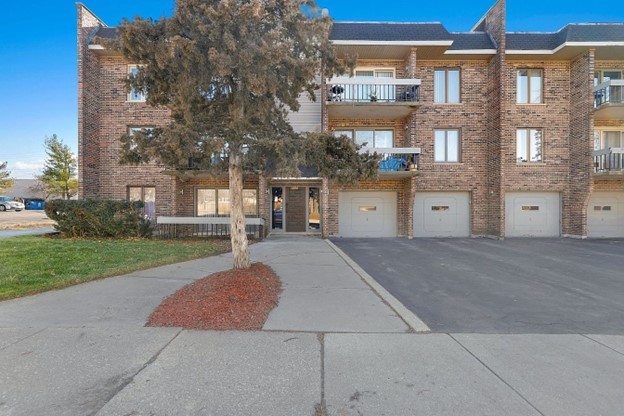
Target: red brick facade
487, 117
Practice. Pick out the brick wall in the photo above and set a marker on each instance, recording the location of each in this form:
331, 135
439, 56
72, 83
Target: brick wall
470, 118
88, 106
580, 144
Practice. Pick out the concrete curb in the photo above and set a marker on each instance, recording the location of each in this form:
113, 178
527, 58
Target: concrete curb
413, 321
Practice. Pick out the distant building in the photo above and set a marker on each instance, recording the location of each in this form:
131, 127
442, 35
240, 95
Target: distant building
22, 189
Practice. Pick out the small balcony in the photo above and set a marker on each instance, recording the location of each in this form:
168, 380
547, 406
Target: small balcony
397, 162
380, 98
609, 100
609, 162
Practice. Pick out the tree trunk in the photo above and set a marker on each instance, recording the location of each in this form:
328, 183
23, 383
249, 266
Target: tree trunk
240, 250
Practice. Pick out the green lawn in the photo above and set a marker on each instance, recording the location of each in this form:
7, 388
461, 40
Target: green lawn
31, 265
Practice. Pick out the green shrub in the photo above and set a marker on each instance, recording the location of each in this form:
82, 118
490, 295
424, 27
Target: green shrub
99, 218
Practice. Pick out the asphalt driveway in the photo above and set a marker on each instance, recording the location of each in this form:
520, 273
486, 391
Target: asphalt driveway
546, 286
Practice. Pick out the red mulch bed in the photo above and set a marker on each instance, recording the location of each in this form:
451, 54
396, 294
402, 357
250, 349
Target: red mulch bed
233, 299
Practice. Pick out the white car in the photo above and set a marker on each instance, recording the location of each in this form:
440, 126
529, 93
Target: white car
7, 203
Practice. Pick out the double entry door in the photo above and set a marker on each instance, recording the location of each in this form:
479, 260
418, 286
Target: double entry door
295, 209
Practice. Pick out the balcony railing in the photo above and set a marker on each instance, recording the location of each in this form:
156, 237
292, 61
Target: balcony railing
609, 92
373, 90
396, 159
609, 161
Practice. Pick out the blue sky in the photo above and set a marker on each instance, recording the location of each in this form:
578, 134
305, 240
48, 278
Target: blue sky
38, 53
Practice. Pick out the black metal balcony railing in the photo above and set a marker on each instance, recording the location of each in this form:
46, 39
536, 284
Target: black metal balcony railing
610, 160
609, 92
396, 159
382, 90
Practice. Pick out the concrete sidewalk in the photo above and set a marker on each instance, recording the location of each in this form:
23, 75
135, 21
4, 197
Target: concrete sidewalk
333, 346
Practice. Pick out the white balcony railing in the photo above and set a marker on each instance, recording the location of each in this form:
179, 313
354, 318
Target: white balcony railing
609, 160
609, 92
383, 90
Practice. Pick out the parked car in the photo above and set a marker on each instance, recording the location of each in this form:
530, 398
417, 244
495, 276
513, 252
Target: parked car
7, 203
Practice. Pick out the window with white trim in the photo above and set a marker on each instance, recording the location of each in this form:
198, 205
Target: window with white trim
134, 95
446, 86
379, 138
604, 139
529, 83
146, 194
216, 202
529, 145
446, 146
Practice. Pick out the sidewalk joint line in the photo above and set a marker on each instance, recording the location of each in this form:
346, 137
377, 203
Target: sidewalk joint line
130, 379
496, 374
22, 339
600, 343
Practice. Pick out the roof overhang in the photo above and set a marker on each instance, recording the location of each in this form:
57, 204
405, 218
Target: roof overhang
100, 50
569, 50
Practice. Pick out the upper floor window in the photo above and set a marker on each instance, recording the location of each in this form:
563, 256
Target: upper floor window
608, 138
446, 146
446, 86
134, 95
607, 75
529, 86
377, 138
529, 145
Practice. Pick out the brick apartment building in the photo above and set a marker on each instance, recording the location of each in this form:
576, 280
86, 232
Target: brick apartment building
486, 133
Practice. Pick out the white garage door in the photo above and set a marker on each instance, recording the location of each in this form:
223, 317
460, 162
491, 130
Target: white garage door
442, 214
605, 215
367, 214
532, 214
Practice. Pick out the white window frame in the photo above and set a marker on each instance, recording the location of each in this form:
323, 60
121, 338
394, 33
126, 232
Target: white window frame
446, 99
446, 146
150, 212
529, 144
600, 73
133, 96
600, 131
345, 131
528, 86
216, 199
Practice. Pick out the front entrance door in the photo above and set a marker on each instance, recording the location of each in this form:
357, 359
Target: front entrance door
296, 209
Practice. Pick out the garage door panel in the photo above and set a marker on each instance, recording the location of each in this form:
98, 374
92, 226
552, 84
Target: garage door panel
442, 214
532, 214
605, 215
367, 214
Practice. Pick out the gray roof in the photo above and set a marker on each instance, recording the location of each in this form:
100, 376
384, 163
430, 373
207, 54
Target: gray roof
379, 31
374, 31
582, 32
471, 40
107, 33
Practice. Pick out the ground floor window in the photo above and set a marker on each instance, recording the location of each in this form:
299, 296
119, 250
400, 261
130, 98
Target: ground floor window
147, 194
216, 202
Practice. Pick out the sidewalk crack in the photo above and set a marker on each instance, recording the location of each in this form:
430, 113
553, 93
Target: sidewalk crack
496, 374
130, 379
22, 339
